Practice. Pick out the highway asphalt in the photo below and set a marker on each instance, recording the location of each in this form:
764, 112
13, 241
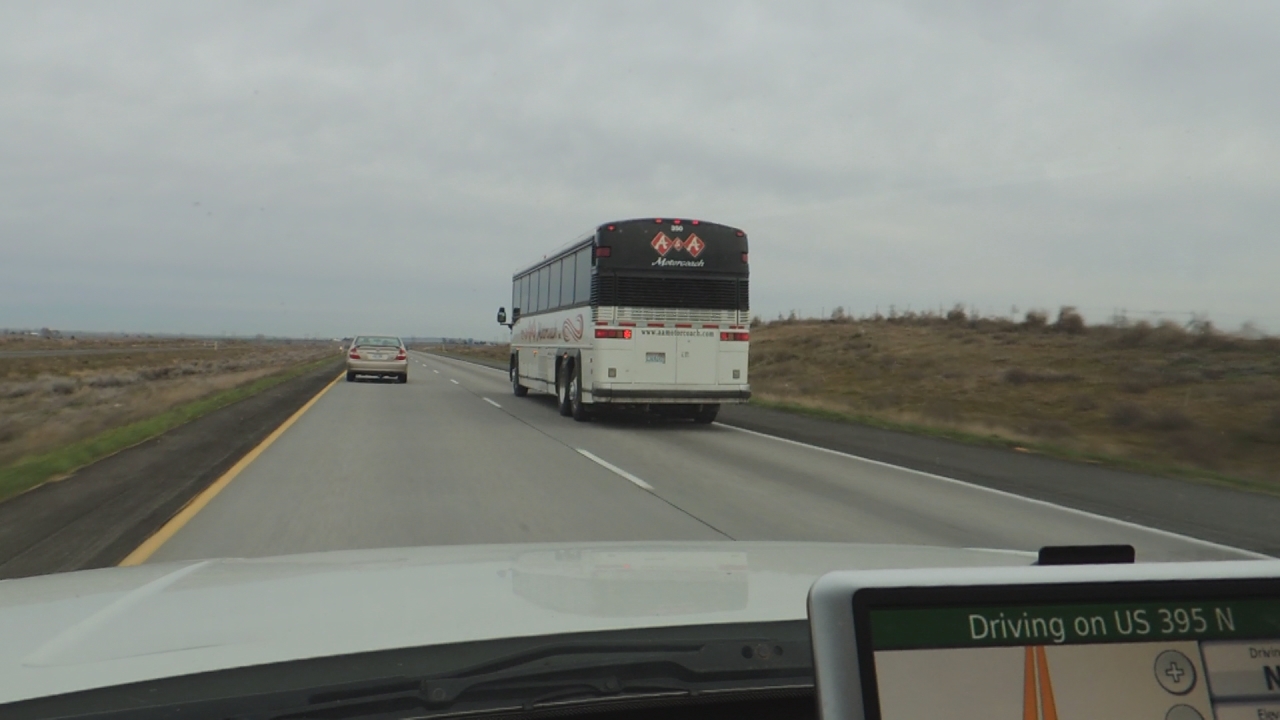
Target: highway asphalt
452, 457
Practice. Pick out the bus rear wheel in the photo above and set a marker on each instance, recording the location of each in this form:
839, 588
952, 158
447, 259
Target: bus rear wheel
577, 408
562, 390
706, 414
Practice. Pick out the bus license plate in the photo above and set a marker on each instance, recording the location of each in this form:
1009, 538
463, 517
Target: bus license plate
655, 358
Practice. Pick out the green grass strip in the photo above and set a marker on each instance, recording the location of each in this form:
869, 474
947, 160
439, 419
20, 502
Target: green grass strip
34, 470
1181, 472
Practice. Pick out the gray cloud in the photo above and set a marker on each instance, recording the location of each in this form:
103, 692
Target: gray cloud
320, 167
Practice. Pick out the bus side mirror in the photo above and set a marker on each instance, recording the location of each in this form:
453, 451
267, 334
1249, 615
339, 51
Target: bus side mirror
502, 316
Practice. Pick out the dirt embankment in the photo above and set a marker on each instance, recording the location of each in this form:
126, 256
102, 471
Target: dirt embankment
49, 401
1167, 397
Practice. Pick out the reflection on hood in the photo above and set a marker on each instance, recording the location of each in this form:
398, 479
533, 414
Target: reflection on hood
612, 583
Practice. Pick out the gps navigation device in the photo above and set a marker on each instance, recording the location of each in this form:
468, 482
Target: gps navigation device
1171, 641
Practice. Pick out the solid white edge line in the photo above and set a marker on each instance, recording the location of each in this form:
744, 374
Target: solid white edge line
492, 403
1007, 494
615, 469
455, 382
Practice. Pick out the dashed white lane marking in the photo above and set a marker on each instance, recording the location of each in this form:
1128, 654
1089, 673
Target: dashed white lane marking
455, 382
615, 469
436, 372
1006, 494
492, 403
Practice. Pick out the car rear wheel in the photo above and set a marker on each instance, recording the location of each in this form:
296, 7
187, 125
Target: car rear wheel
404, 378
706, 414
351, 377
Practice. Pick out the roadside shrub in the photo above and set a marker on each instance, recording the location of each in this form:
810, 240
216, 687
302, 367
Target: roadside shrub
1069, 321
9, 430
957, 314
1135, 334
1127, 415
112, 381
1084, 403
1170, 420
1019, 376
17, 390
1169, 334
1035, 320
60, 386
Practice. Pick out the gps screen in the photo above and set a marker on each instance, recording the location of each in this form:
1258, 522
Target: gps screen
1183, 659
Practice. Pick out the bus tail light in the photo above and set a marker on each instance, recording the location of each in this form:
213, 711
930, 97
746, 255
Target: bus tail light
613, 333
740, 234
736, 336
744, 258
604, 251
610, 228
695, 222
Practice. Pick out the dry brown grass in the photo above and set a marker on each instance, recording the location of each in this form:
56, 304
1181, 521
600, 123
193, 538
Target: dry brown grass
49, 402
1163, 396
498, 355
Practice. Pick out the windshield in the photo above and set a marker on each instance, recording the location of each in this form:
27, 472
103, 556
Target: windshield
874, 284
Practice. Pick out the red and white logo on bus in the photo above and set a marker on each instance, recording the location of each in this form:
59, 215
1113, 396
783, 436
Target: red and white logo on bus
663, 244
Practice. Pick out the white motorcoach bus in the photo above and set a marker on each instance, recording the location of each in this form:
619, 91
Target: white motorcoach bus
650, 312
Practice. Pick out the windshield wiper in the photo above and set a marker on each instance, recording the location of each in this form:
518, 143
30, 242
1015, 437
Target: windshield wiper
569, 673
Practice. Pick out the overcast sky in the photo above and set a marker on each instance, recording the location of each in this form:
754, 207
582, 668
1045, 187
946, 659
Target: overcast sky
326, 168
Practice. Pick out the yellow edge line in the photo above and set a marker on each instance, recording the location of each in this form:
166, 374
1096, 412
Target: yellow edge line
188, 511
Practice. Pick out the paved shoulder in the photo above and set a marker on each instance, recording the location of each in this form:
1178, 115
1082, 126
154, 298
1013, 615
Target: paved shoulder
1223, 515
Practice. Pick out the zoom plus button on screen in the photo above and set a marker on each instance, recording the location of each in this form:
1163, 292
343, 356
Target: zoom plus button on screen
1175, 672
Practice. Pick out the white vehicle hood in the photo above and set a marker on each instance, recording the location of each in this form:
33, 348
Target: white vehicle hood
97, 628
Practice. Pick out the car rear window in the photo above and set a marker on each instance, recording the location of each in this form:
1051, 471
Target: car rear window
377, 342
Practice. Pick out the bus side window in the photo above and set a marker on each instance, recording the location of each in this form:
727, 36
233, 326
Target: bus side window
566, 280
582, 287
544, 286
553, 291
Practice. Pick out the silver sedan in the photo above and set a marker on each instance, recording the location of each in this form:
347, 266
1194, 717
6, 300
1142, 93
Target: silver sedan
379, 356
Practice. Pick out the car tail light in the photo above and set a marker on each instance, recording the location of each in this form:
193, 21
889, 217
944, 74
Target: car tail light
604, 251
354, 354
613, 333
735, 336
401, 355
